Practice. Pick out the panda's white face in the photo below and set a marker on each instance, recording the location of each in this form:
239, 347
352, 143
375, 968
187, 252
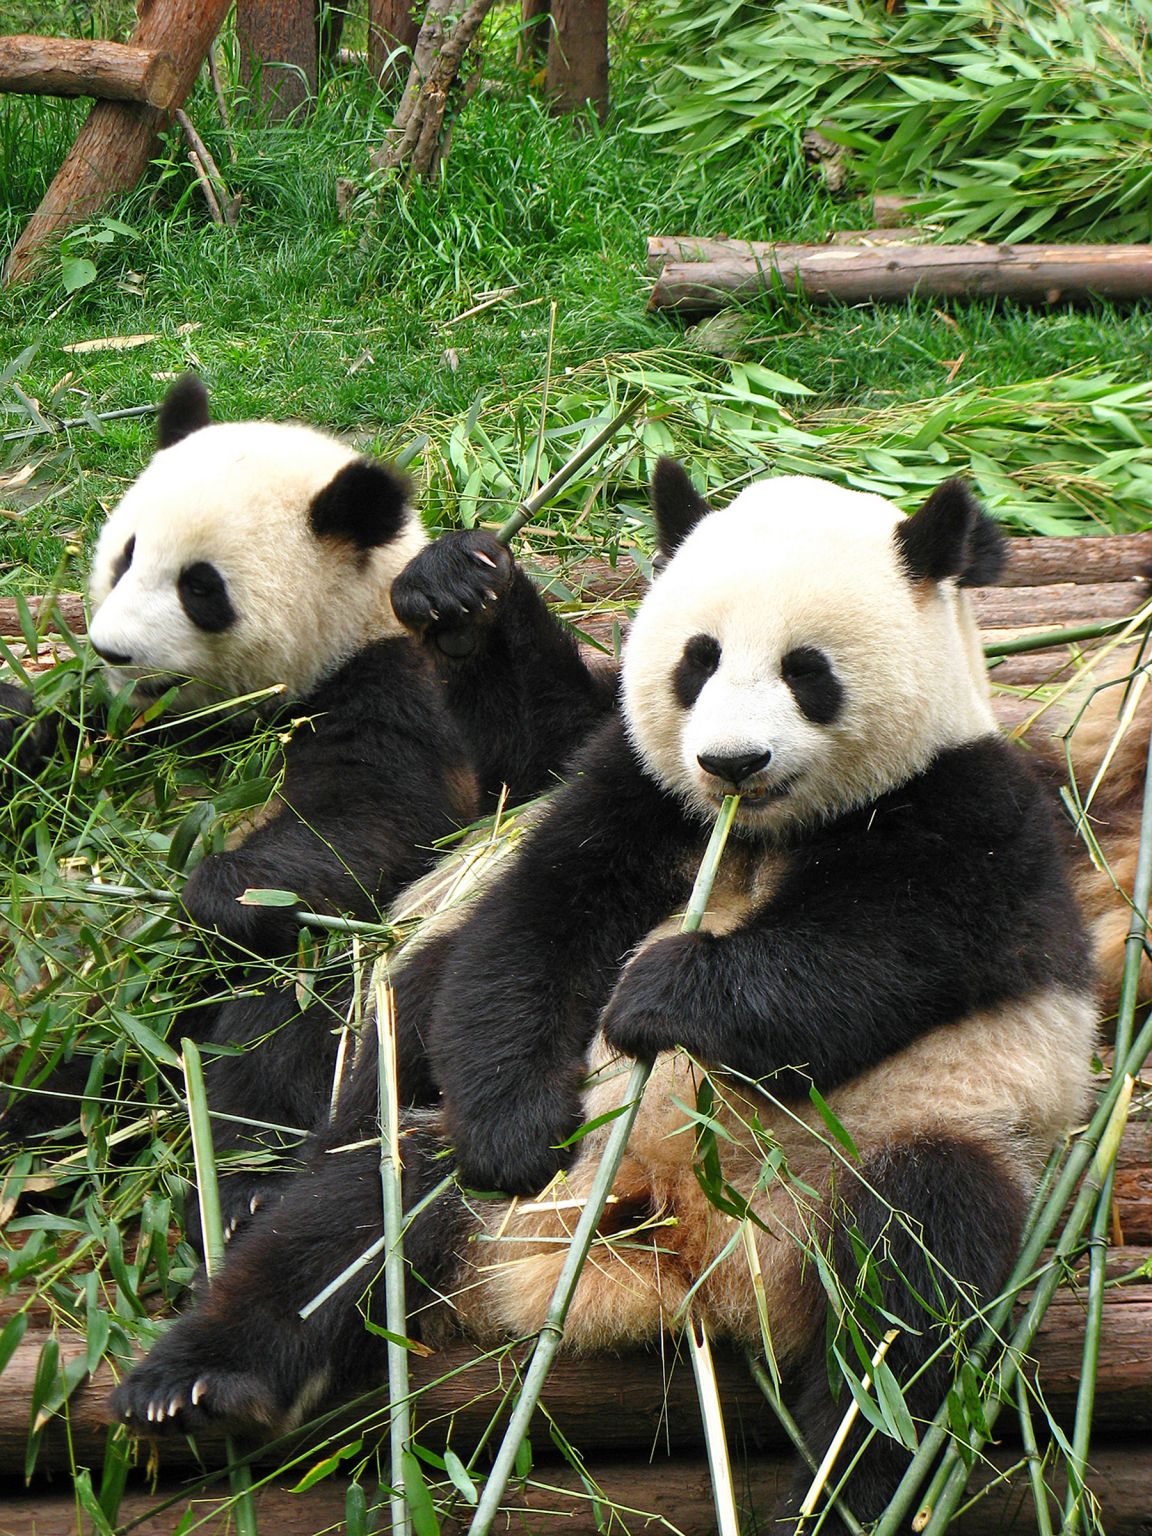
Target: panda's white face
213, 572
786, 650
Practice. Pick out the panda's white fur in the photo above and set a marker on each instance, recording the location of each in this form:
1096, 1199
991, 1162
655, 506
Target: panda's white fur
237, 494
759, 579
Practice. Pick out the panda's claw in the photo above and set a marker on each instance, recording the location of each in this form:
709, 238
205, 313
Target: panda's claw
482, 559
199, 1387
254, 1204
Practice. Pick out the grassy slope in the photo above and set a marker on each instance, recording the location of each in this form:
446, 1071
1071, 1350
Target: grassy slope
347, 323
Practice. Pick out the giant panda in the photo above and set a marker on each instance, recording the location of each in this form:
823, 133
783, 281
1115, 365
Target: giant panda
892, 928
414, 683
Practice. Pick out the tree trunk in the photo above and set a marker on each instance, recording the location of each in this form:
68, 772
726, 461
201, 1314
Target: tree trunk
119, 139
578, 56
721, 271
535, 30
65, 66
278, 40
391, 27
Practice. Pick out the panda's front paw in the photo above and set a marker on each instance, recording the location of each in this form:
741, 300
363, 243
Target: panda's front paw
519, 1150
453, 588
211, 897
646, 1013
242, 1197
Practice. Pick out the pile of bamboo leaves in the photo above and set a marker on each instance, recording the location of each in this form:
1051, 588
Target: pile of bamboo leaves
1005, 119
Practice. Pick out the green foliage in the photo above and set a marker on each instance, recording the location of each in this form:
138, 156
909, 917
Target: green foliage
1007, 119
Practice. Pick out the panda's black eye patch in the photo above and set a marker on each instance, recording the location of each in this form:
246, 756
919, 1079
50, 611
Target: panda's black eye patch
123, 560
698, 661
815, 687
204, 597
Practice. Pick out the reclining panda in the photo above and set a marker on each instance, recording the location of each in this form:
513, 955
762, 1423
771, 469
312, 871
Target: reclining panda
892, 926
271, 563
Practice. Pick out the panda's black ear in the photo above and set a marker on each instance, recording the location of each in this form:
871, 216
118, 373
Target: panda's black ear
678, 505
184, 410
952, 535
366, 504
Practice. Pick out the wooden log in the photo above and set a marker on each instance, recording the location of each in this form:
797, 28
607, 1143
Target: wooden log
278, 46
114, 147
622, 1406
671, 1495
1032, 274
578, 56
65, 66
70, 604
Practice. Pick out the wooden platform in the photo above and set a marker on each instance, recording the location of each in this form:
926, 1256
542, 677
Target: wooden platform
636, 1419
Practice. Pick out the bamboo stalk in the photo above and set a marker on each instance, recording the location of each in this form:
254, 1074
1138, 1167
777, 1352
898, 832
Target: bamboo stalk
1035, 1464
552, 1332
1054, 637
824, 1470
1098, 1247
212, 1229
528, 508
715, 1440
396, 1312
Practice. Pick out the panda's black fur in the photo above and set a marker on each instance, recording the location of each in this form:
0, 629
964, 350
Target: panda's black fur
861, 945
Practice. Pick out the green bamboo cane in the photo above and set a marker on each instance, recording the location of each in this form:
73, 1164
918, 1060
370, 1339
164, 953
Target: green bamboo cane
1035, 1465
396, 1312
1053, 637
551, 1334
528, 508
1098, 1248
212, 1228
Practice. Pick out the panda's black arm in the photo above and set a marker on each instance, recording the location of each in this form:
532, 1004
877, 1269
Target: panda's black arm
376, 773
946, 897
514, 676
522, 988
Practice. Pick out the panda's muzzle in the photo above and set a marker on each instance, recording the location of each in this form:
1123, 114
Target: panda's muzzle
735, 770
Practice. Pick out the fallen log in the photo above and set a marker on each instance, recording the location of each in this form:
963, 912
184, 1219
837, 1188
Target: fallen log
65, 66
118, 141
673, 1495
1031, 274
622, 1407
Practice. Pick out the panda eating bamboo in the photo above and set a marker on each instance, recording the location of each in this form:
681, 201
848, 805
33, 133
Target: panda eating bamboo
892, 949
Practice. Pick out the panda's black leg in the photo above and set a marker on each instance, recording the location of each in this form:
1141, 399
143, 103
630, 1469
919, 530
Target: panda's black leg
967, 1213
244, 1358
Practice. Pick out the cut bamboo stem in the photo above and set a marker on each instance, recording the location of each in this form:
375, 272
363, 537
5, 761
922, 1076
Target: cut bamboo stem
528, 508
715, 1440
212, 1230
552, 1333
396, 1312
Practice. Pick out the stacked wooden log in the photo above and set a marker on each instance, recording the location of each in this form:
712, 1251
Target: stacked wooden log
697, 276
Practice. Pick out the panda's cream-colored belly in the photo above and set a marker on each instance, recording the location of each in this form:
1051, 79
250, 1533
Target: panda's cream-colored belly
1012, 1079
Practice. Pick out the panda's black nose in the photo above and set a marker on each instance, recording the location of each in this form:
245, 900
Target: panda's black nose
734, 770
113, 658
